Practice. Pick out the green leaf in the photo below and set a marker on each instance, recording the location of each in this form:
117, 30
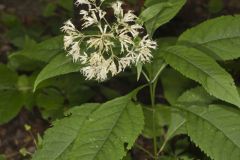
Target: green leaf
60, 65
11, 102
51, 103
8, 78
176, 126
66, 4
2, 157
162, 118
197, 95
97, 132
215, 6
174, 84
158, 14
49, 10
219, 37
58, 139
215, 129
43, 51
203, 69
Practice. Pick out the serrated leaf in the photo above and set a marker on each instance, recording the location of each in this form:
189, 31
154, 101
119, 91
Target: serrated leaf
158, 14
196, 65
103, 137
63, 133
59, 65
197, 95
219, 37
96, 133
215, 129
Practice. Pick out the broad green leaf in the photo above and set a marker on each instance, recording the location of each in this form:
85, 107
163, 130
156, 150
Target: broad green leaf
197, 95
11, 102
196, 65
114, 124
60, 65
161, 118
58, 139
94, 132
215, 129
8, 78
158, 14
51, 103
219, 37
174, 84
43, 51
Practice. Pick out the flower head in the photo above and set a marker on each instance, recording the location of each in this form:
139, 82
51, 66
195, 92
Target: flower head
112, 47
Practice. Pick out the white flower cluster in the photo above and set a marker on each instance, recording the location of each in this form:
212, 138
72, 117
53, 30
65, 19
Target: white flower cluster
113, 47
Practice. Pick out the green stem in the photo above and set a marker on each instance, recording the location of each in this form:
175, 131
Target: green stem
152, 87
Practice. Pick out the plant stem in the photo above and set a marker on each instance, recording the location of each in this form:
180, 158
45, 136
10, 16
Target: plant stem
152, 87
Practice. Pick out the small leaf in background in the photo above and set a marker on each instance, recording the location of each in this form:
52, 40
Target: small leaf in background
8, 78
11, 102
158, 14
51, 103
11, 99
67, 4
2, 157
49, 10
43, 51
59, 65
109, 93
174, 84
197, 95
218, 37
9, 20
162, 118
196, 65
215, 6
